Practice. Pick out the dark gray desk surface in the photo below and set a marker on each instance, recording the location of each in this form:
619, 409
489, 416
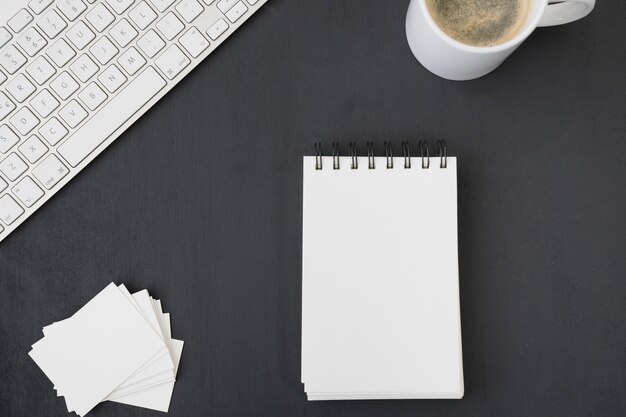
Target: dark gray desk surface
200, 202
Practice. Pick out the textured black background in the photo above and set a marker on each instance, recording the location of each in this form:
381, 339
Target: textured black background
200, 202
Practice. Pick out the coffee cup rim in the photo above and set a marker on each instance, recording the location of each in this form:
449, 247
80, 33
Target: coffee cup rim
531, 24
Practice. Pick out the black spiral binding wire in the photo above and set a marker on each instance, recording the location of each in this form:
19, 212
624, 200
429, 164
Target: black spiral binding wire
389, 155
406, 154
318, 155
370, 155
423, 153
353, 156
335, 155
442, 153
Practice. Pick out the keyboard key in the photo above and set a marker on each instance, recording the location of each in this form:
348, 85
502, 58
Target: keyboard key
194, 42
225, 5
123, 33
131, 61
52, 24
53, 131
80, 35
216, 30
33, 149
9, 210
20, 88
24, 121
236, 11
6, 106
73, 114
100, 17
172, 62
64, 85
103, 50
112, 78
71, 8
107, 120
20, 20
189, 9
161, 5
120, 6
44, 103
12, 59
5, 36
27, 191
61, 52
41, 70
50, 171
170, 26
31, 41
142, 15
151, 43
3, 186
84, 68
38, 6
8, 139
92, 96
12, 167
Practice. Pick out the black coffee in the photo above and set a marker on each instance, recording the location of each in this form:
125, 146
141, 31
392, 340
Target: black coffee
480, 22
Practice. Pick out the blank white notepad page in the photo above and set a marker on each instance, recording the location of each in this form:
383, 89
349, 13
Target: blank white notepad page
380, 279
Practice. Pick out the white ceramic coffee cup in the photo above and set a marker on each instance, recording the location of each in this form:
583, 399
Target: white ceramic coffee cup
451, 59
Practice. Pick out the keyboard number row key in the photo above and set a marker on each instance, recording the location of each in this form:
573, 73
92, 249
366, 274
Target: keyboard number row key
71, 8
52, 24
172, 62
11, 59
20, 20
38, 6
31, 41
50, 171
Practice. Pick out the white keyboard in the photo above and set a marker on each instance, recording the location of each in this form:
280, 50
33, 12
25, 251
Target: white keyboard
75, 74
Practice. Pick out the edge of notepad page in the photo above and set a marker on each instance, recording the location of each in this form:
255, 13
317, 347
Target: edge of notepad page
364, 233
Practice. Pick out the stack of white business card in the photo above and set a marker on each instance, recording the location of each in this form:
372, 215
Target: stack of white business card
118, 347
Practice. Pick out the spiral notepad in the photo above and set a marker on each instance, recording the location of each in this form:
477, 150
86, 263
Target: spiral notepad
380, 283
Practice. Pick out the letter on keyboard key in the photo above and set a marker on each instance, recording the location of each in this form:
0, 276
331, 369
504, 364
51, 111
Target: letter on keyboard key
92, 96
112, 78
132, 61
27, 191
9, 210
142, 15
24, 121
12, 166
172, 61
50, 171
53, 131
110, 117
73, 114
7, 139
41, 70
80, 35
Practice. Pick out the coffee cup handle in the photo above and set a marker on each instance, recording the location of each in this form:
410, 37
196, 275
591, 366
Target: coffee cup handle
566, 11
